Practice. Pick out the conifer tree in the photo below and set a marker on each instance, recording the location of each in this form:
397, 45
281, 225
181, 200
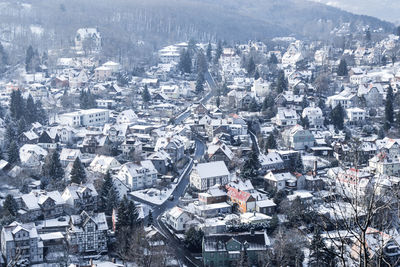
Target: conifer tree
53, 168
389, 117
31, 110
342, 70
185, 62
146, 95
10, 205
209, 52
17, 106
281, 83
13, 153
199, 83
78, 174
337, 117
218, 52
317, 249
244, 259
251, 67
112, 200
105, 189
271, 143
150, 218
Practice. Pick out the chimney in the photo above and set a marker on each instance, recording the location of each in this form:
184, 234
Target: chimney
315, 168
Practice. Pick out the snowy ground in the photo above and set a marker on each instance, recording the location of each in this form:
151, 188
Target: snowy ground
153, 195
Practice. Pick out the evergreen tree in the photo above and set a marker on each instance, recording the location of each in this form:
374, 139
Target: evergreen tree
21, 127
244, 258
218, 102
256, 75
199, 84
193, 239
201, 62
337, 117
342, 70
105, 189
282, 82
317, 252
218, 52
146, 95
17, 106
10, 134
112, 200
10, 205
251, 67
273, 224
53, 167
13, 153
368, 35
41, 115
398, 31
3, 59
271, 143
209, 52
389, 106
268, 102
273, 59
251, 166
253, 106
150, 218
78, 174
29, 58
31, 110
185, 62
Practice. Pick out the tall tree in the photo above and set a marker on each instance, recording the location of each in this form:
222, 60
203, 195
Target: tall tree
10, 205
17, 105
150, 218
273, 59
389, 106
112, 200
317, 249
271, 143
282, 82
201, 62
146, 97
29, 58
185, 62
337, 117
218, 52
251, 67
31, 110
13, 153
244, 258
209, 52
200, 83
398, 31
53, 168
78, 174
3, 59
342, 69
193, 239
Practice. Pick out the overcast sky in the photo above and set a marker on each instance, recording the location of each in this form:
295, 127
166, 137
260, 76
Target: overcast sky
384, 9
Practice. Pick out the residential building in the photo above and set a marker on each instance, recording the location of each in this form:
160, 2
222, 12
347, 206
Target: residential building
87, 233
138, 175
205, 175
88, 117
241, 201
80, 197
225, 249
298, 138
177, 219
21, 241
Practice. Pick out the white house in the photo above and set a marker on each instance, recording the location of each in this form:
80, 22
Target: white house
88, 117
205, 175
138, 176
355, 115
102, 73
286, 117
261, 87
127, 116
177, 219
315, 117
103, 164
